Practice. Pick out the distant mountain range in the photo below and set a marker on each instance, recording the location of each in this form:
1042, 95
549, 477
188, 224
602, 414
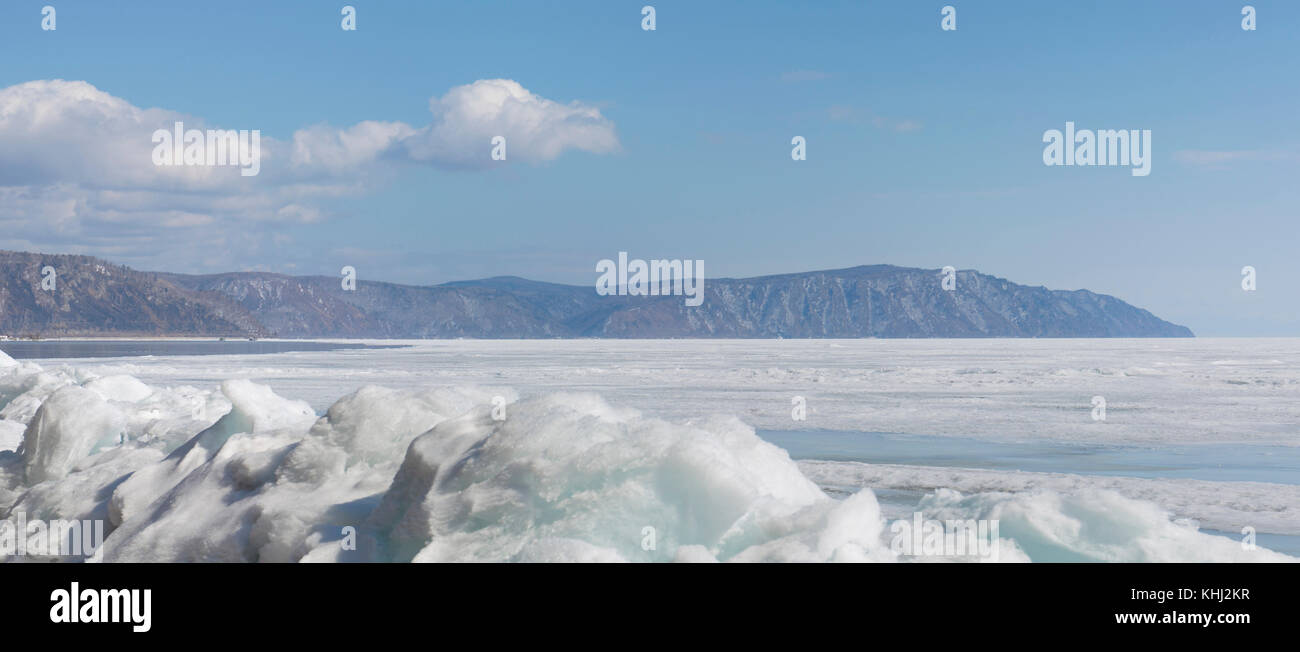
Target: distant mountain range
95, 298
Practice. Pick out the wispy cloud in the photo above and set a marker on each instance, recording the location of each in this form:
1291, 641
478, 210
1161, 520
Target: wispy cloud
906, 125
850, 114
796, 76
1222, 159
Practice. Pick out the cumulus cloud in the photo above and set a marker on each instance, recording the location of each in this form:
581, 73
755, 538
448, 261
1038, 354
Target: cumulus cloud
465, 121
77, 171
341, 151
56, 131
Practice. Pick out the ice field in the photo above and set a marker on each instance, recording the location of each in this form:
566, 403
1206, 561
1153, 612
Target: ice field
270, 457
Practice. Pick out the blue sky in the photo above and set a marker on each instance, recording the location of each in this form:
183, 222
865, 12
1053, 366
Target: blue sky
924, 146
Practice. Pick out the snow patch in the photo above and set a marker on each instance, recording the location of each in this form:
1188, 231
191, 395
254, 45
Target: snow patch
244, 474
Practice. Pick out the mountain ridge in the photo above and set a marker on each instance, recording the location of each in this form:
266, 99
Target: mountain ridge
95, 297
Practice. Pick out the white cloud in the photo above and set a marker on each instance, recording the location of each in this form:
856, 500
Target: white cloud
71, 132
535, 128
77, 173
465, 121
340, 151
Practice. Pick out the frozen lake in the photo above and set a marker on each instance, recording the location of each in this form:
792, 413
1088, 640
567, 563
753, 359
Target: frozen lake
86, 349
1208, 429
1157, 391
1213, 462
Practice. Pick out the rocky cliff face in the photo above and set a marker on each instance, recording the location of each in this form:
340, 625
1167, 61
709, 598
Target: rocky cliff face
97, 298
88, 296
887, 301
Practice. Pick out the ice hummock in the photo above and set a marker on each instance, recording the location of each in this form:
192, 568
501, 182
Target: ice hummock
243, 474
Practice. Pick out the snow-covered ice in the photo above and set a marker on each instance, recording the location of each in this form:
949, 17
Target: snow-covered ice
606, 445
1157, 390
1224, 506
